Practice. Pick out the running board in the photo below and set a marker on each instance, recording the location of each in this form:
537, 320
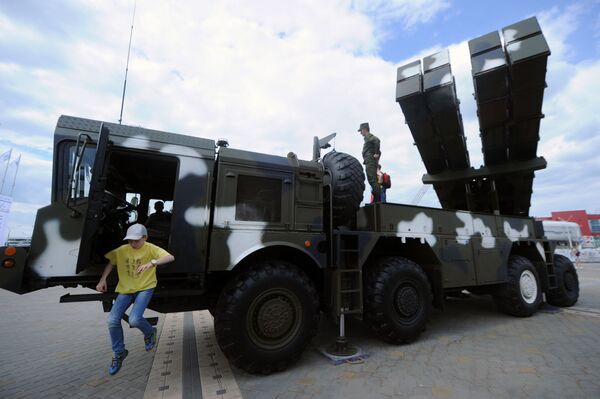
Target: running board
109, 297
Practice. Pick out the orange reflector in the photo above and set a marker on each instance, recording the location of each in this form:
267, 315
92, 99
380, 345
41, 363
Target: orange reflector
10, 251
307, 244
8, 263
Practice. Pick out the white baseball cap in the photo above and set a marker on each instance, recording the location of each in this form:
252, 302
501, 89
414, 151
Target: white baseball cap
135, 232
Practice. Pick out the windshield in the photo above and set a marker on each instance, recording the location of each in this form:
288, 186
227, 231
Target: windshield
78, 186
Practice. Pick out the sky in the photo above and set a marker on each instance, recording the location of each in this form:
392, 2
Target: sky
269, 75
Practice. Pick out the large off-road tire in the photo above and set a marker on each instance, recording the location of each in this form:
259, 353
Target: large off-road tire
566, 292
522, 295
266, 316
398, 300
347, 185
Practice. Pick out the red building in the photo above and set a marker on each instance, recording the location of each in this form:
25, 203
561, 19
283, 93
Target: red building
589, 223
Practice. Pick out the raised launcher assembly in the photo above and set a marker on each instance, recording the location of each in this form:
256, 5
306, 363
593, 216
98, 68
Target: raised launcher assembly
509, 80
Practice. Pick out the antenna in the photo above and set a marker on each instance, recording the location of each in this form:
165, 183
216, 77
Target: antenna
127, 66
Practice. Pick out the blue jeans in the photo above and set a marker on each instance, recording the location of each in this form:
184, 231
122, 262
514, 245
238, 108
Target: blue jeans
140, 301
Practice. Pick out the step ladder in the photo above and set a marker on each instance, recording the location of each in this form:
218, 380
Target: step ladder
347, 274
549, 255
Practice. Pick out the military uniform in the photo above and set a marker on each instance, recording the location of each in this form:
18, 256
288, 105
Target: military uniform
370, 148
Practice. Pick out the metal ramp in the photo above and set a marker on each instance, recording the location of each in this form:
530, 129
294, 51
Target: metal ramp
509, 80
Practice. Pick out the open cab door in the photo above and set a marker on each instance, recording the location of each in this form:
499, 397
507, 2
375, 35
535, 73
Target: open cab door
94, 213
63, 234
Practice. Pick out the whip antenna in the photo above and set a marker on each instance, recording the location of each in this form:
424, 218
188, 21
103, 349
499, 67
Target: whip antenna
127, 65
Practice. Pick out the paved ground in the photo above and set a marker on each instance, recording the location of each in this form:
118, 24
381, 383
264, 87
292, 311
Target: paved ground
52, 350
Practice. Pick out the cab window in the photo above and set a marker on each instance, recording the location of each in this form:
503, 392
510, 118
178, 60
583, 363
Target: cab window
77, 179
258, 199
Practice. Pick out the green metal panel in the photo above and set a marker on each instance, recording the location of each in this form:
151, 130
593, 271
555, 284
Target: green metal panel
90, 125
484, 43
433, 116
521, 30
471, 248
509, 81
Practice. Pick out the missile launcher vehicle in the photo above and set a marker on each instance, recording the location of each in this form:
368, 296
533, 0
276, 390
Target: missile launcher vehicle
268, 244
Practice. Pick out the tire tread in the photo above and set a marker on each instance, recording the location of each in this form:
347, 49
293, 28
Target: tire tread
234, 294
375, 299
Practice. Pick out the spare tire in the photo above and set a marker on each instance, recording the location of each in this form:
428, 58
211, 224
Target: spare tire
347, 185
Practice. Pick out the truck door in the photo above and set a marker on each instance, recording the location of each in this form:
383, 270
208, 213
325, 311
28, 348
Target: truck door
95, 198
61, 243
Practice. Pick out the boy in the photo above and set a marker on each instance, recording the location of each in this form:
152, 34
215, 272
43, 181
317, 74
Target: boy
136, 265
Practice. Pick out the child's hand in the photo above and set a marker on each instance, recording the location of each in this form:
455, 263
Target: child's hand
144, 267
101, 286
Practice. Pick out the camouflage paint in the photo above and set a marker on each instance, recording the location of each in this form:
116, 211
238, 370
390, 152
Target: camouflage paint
471, 248
301, 209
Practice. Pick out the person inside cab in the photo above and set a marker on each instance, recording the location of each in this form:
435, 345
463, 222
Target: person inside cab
159, 219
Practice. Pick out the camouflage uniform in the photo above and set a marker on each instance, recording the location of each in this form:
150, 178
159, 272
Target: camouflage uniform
370, 148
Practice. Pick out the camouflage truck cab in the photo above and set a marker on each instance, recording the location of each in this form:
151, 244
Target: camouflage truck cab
104, 176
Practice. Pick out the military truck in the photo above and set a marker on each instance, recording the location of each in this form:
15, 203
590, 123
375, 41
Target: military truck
269, 243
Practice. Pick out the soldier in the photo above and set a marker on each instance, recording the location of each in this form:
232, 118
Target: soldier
136, 265
371, 155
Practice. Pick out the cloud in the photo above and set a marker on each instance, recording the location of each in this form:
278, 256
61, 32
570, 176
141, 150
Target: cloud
570, 132
266, 80
13, 139
267, 75
408, 12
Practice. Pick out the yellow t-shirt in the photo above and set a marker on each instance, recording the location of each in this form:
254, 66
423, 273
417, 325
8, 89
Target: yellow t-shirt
127, 259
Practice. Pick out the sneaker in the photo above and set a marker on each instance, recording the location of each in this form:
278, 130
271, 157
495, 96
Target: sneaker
150, 340
117, 361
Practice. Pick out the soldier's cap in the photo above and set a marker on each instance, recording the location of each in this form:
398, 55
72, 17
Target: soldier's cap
135, 232
364, 125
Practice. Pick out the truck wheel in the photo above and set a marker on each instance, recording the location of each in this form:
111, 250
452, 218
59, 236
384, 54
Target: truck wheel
566, 292
521, 296
266, 316
398, 300
347, 185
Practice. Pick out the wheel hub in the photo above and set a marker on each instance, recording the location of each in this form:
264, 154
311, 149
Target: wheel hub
275, 317
528, 286
407, 301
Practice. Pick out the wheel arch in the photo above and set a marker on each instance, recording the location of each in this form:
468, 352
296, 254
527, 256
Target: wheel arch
285, 251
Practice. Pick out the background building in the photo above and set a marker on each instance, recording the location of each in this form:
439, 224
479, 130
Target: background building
589, 223
590, 231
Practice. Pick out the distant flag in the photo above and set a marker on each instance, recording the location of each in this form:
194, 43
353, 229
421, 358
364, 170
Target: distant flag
17, 162
4, 166
5, 156
5, 201
10, 175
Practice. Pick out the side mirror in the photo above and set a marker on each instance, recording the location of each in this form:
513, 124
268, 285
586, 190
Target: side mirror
319, 144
